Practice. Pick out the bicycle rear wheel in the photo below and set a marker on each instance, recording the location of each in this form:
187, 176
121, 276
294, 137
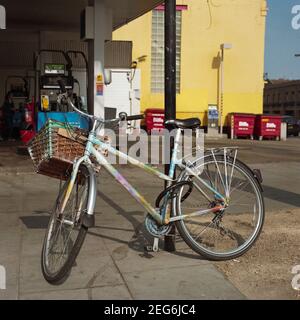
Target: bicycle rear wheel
65, 234
225, 234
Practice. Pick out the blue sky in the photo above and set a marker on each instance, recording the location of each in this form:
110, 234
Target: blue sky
282, 41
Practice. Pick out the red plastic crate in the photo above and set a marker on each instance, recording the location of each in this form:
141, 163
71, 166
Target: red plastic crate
27, 135
268, 126
242, 125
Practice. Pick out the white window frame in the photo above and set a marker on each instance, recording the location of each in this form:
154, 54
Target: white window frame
158, 51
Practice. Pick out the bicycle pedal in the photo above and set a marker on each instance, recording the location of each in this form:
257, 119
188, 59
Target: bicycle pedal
148, 248
155, 245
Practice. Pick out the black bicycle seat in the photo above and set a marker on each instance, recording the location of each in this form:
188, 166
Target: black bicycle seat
192, 123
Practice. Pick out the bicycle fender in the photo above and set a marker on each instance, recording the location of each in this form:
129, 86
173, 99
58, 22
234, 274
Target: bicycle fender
258, 176
89, 218
256, 173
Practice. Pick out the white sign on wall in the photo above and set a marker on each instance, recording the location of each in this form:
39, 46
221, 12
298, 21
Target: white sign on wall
2, 17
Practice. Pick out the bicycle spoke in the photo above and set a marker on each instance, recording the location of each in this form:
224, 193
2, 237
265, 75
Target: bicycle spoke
66, 244
200, 190
232, 169
201, 232
218, 169
225, 171
207, 172
236, 188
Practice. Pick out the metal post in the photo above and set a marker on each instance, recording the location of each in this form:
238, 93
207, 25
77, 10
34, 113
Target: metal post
222, 91
170, 86
224, 46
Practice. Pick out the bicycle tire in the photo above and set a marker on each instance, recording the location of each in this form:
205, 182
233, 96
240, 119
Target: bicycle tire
60, 276
184, 233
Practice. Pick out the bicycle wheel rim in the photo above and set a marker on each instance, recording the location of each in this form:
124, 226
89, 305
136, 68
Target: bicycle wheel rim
70, 235
203, 246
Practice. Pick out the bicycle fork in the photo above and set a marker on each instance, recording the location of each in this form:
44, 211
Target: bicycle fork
88, 219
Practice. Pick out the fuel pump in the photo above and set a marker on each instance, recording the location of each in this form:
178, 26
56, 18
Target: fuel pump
48, 75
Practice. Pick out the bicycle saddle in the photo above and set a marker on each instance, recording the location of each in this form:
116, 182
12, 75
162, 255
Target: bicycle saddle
192, 123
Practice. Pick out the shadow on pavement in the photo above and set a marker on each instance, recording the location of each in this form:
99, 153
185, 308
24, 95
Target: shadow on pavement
139, 241
141, 237
35, 222
283, 196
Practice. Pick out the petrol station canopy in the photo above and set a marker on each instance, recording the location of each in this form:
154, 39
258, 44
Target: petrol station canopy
65, 14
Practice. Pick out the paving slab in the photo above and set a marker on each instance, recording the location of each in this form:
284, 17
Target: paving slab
91, 269
189, 283
10, 242
117, 292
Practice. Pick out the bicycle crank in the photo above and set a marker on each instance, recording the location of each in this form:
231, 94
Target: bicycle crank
154, 229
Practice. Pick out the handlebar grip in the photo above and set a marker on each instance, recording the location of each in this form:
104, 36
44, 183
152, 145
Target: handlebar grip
62, 86
136, 117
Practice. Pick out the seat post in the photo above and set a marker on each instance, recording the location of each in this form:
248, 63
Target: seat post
174, 145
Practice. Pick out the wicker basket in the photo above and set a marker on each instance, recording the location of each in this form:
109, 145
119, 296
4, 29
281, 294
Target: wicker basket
52, 154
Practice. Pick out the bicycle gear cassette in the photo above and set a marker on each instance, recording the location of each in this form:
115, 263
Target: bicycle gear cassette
154, 229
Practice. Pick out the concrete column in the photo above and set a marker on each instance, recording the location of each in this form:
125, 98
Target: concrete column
283, 135
103, 27
2, 18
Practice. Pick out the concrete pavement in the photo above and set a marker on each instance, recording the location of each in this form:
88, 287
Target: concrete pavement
112, 263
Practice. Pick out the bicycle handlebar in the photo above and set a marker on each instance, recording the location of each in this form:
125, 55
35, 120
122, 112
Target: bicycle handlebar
136, 117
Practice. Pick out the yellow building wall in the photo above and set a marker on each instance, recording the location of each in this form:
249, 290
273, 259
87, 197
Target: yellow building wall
205, 26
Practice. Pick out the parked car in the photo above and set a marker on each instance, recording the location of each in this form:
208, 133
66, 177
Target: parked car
293, 127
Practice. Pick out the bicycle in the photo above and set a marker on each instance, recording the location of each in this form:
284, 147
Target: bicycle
207, 202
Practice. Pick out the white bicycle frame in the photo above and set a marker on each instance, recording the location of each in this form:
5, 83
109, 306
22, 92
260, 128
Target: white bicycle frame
159, 214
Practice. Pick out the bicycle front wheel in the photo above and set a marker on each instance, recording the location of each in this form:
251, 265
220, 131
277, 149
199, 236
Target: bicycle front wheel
228, 233
65, 234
